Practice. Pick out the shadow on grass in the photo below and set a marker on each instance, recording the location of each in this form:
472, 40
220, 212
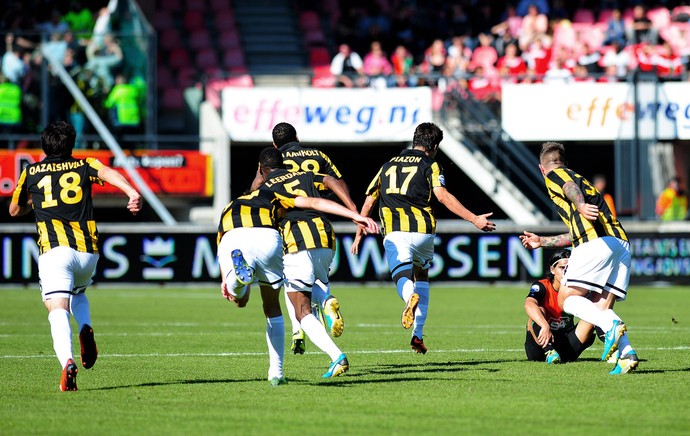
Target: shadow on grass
176, 382
410, 372
660, 371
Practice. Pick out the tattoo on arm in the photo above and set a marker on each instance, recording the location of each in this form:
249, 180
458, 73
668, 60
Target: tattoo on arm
573, 193
556, 241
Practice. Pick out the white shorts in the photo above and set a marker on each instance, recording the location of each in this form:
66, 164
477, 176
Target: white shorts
600, 265
63, 271
405, 249
261, 247
303, 268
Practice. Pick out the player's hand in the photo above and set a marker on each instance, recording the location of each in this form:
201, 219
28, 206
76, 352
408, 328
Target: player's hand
367, 225
483, 224
135, 203
589, 211
354, 249
225, 292
545, 336
530, 240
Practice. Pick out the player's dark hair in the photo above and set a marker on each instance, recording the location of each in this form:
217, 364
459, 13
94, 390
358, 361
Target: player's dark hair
427, 135
271, 158
57, 139
560, 254
552, 152
284, 133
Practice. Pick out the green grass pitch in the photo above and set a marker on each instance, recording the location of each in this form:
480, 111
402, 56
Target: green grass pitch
185, 361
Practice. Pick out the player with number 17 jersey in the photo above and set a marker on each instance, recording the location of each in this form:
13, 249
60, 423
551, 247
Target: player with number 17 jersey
403, 186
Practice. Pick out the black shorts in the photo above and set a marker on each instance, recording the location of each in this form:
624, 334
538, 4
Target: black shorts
566, 343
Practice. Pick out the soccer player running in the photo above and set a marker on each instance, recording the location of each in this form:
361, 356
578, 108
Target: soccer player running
552, 335
403, 187
58, 189
250, 250
600, 262
304, 235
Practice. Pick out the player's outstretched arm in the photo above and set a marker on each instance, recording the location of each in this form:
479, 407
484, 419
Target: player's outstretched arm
116, 179
532, 240
340, 189
328, 206
369, 204
453, 204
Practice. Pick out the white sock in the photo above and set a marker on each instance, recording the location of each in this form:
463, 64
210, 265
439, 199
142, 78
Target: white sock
588, 311
421, 288
318, 335
81, 311
275, 338
62, 335
405, 288
291, 311
320, 292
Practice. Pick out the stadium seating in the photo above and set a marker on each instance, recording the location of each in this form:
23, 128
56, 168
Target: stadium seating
207, 58
319, 56
193, 20
179, 58
233, 59
228, 39
604, 16
583, 16
309, 20
173, 99
200, 39
169, 39
163, 20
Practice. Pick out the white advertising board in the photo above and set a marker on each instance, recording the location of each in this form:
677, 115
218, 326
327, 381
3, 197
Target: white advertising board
332, 115
595, 111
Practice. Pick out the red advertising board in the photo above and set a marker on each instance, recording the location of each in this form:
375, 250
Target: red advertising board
171, 172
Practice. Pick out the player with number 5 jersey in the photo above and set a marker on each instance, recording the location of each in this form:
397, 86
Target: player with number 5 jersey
403, 188
308, 235
58, 189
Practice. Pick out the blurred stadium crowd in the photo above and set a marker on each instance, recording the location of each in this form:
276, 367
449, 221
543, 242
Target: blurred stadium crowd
80, 34
468, 45
480, 46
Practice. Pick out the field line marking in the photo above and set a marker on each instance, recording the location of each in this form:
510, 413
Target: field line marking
240, 354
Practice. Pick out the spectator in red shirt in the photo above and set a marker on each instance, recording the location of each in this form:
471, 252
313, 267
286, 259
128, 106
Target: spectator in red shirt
482, 86
538, 56
515, 64
667, 62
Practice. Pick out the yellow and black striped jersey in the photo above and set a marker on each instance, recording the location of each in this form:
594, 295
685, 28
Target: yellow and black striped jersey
298, 158
60, 189
302, 229
259, 208
403, 187
581, 229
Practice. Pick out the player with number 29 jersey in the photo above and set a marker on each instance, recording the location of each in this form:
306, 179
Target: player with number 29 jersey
60, 190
